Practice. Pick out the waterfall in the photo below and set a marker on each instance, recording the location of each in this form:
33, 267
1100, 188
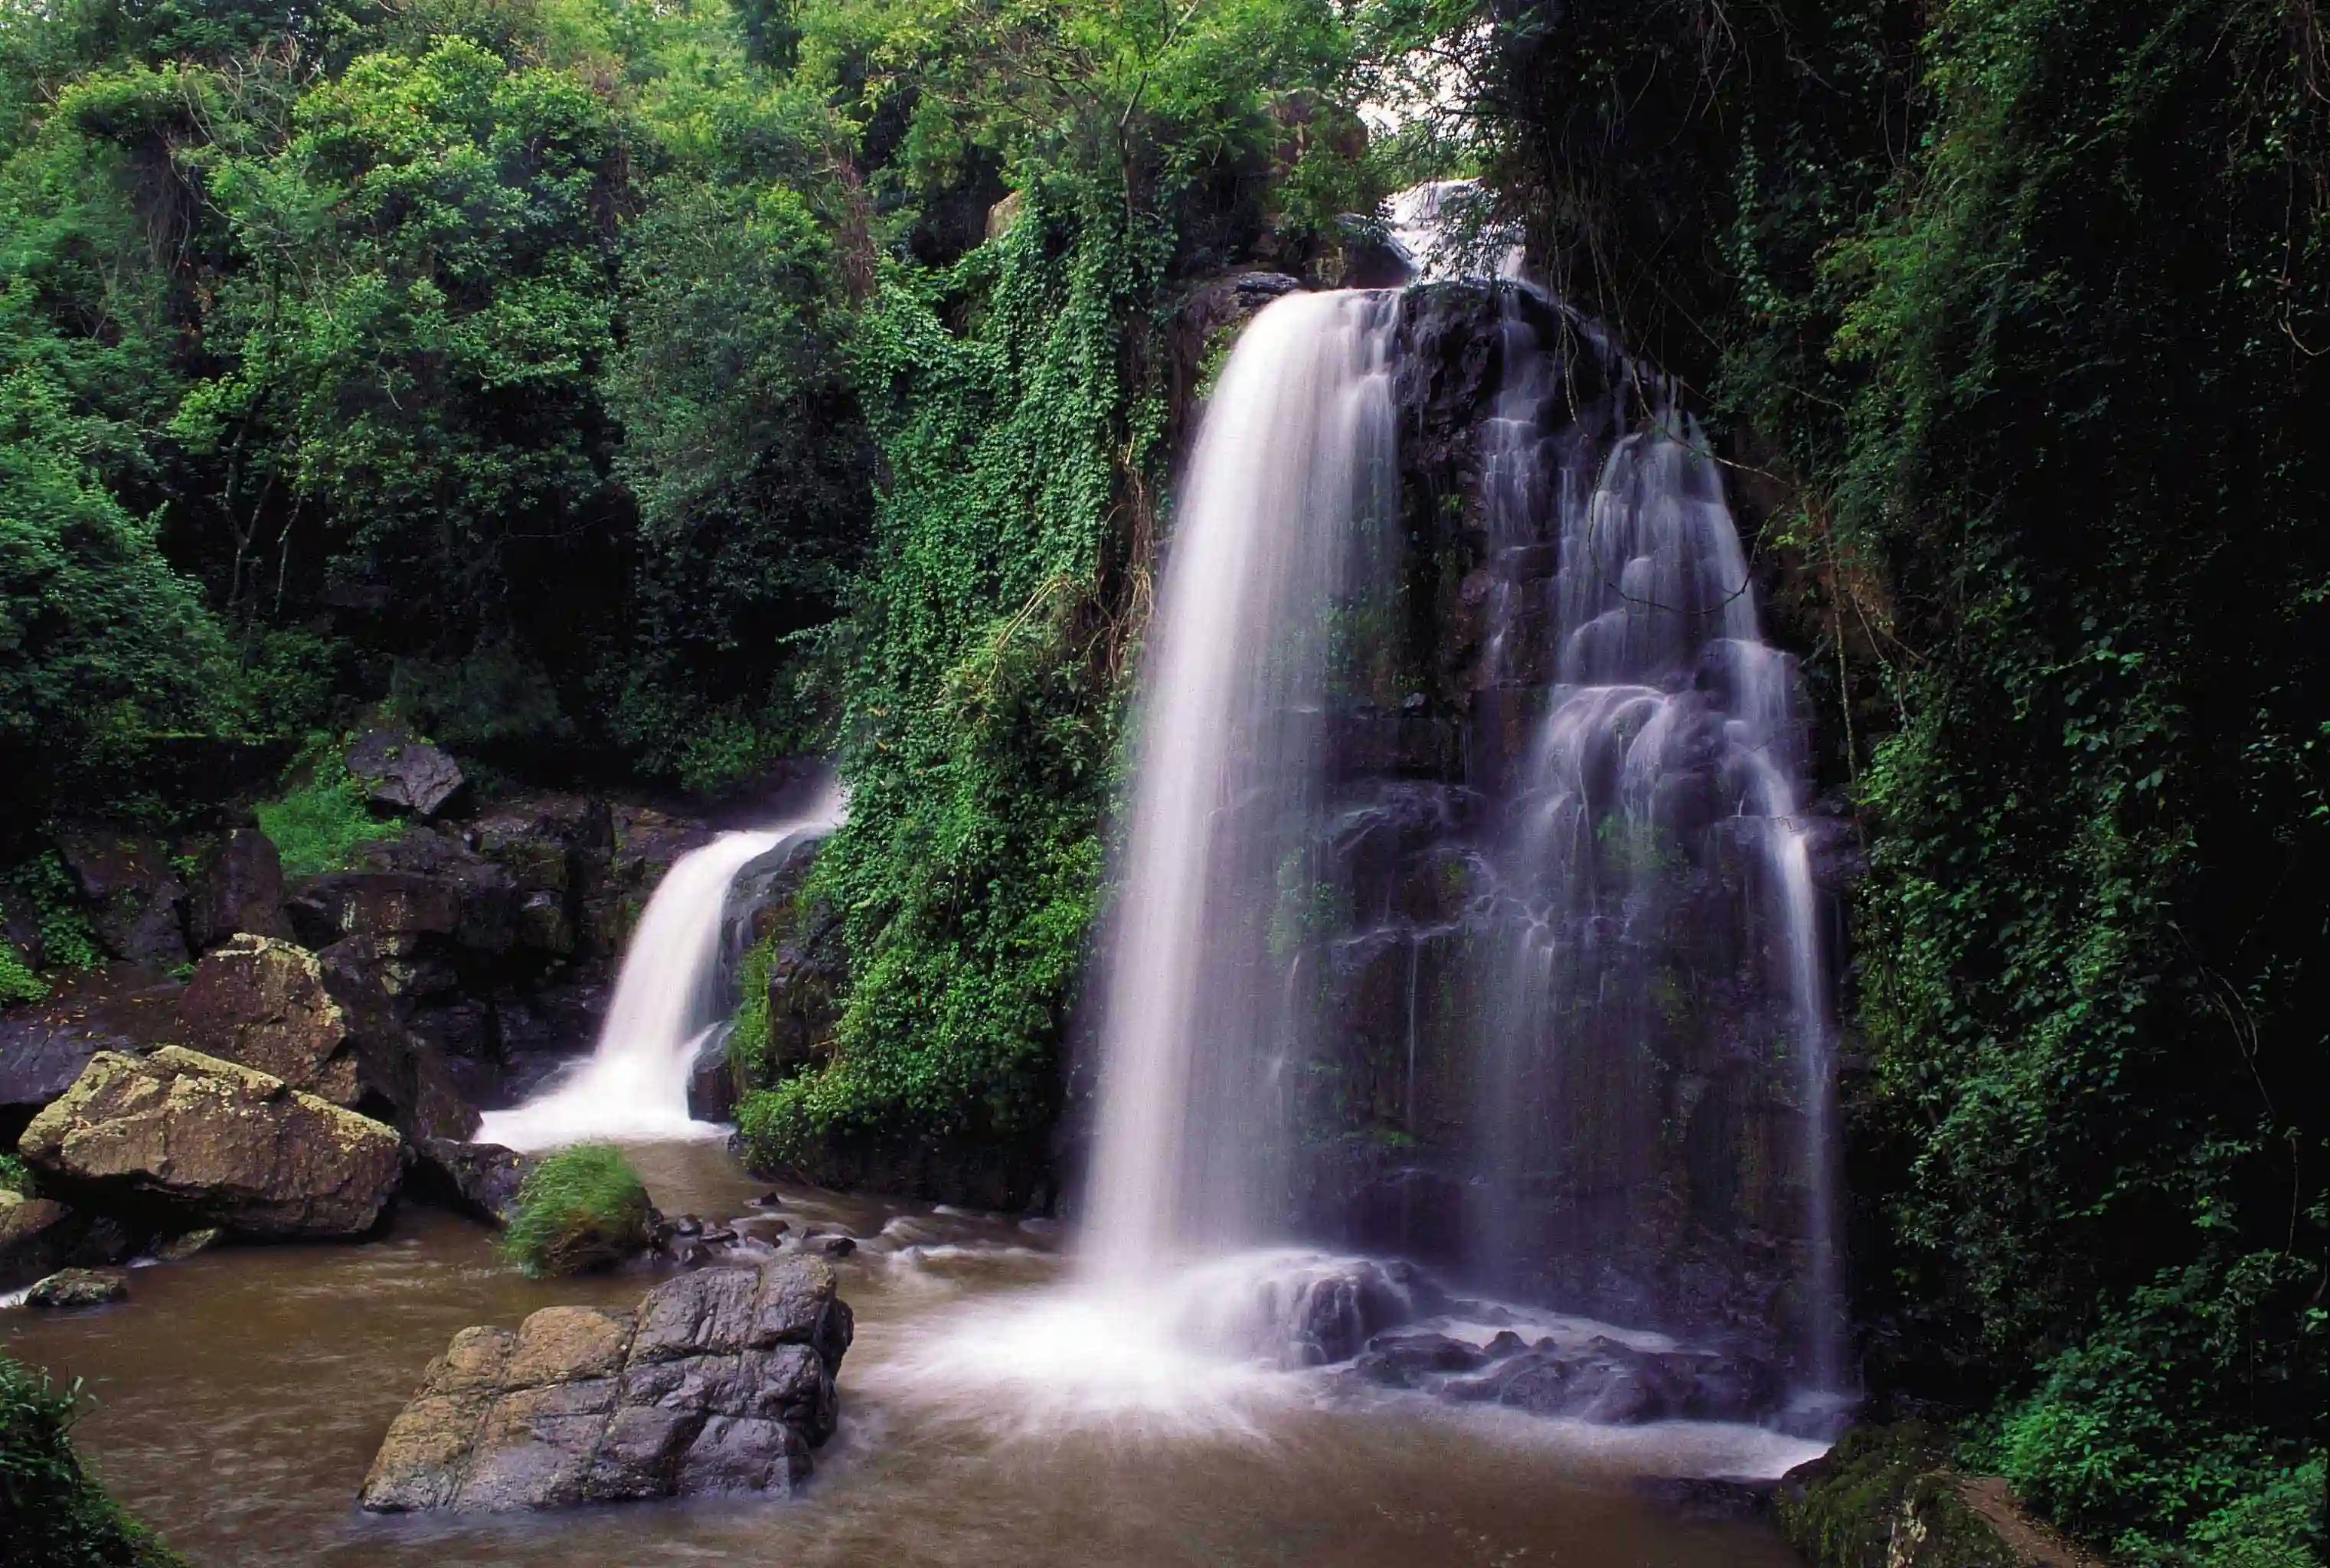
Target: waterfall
670, 998
1293, 460
1654, 915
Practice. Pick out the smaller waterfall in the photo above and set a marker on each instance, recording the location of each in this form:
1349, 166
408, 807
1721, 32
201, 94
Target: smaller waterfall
669, 997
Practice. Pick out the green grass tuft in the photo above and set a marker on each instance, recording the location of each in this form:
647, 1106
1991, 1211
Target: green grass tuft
582, 1208
52, 1511
321, 817
16, 1176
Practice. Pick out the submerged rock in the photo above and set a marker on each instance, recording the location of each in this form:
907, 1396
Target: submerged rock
212, 1142
70, 1287
720, 1381
1602, 1380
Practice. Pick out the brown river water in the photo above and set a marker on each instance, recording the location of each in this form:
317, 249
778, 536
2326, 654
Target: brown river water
241, 1394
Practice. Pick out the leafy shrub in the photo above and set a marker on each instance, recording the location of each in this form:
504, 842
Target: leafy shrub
2144, 1434
18, 983
16, 1176
51, 1512
582, 1208
67, 939
321, 816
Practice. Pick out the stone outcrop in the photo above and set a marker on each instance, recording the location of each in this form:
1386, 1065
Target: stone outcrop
238, 888
403, 772
263, 1003
480, 1179
135, 899
197, 1140
1888, 1494
720, 1381
278, 1007
43, 1047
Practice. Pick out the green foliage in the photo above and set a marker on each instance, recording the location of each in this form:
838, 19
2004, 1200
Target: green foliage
580, 1208
979, 721
18, 983
52, 1511
67, 941
103, 647
321, 817
16, 1176
748, 1032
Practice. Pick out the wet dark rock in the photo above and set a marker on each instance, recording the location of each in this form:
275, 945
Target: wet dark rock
721, 1381
686, 1225
481, 1180
544, 841
238, 889
39, 1236
829, 1246
403, 772
712, 1088
1403, 1360
72, 1288
43, 1047
178, 1249
180, 1135
766, 1200
1338, 1313
1615, 1384
135, 899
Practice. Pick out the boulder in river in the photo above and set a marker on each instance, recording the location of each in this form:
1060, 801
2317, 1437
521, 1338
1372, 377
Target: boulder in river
1602, 1380
720, 1381
481, 1180
211, 1142
43, 1047
70, 1287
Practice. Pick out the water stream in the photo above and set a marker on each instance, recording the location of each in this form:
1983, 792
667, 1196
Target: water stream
671, 998
239, 1396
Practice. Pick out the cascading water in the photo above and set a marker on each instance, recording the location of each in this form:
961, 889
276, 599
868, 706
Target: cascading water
1293, 465
669, 996
1653, 917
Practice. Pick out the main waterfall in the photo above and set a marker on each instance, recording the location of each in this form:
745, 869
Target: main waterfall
1516, 967
1294, 465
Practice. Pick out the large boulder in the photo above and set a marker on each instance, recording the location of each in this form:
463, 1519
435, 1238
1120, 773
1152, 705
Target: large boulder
135, 899
720, 1381
205, 1141
322, 1023
1602, 1380
404, 773
239, 888
263, 1002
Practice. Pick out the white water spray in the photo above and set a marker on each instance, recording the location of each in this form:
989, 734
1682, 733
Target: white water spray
669, 998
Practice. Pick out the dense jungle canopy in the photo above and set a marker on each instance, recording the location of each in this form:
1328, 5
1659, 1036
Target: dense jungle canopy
635, 394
